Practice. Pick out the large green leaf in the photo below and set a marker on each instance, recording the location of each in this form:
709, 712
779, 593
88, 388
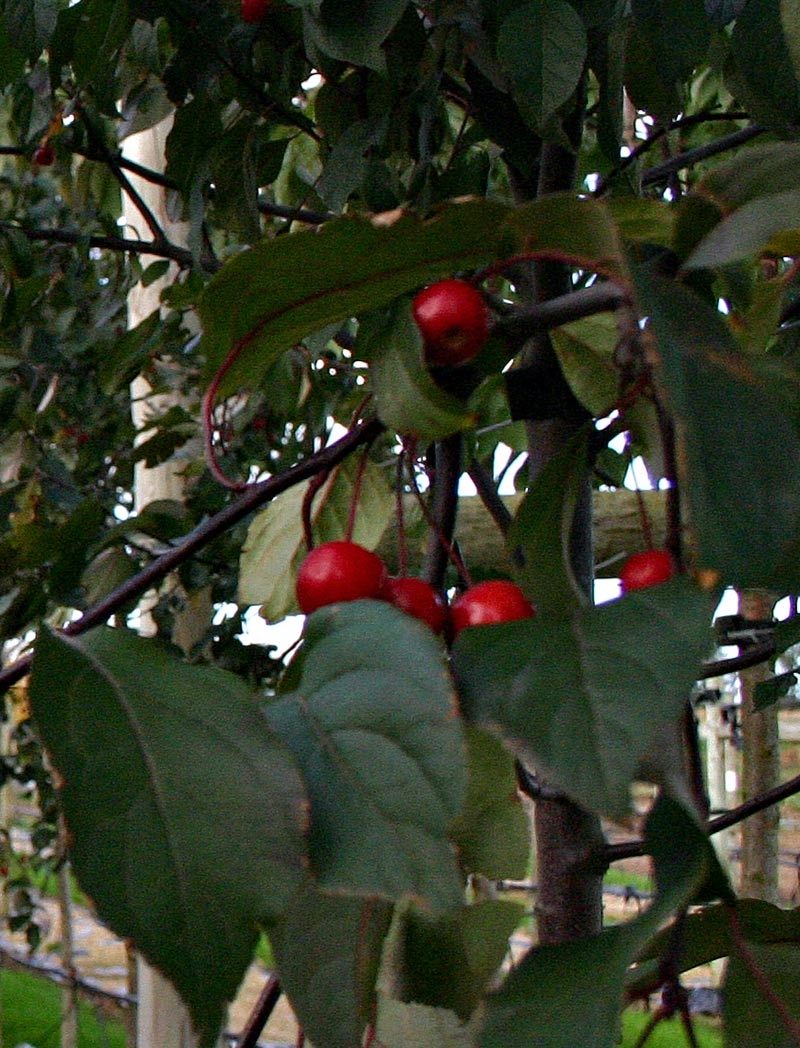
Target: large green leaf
750, 1017
579, 230
763, 224
328, 948
368, 711
542, 47
586, 699
762, 170
739, 432
447, 961
493, 832
270, 297
353, 30
532, 1007
185, 813
765, 75
407, 399
542, 528
678, 33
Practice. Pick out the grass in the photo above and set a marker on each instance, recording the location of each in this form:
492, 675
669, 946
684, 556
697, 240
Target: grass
31, 1014
670, 1033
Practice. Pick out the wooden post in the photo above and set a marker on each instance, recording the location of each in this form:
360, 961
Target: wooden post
162, 1020
760, 768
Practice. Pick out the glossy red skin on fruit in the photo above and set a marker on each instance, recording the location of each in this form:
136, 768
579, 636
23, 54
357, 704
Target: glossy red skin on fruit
254, 11
453, 320
44, 156
338, 571
645, 569
488, 603
418, 598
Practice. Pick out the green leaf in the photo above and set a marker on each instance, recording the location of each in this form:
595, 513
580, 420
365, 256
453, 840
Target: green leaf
353, 30
370, 720
749, 1017
275, 543
771, 168
531, 1008
408, 401
585, 698
542, 47
764, 66
492, 833
739, 435
572, 229
256, 307
185, 813
678, 33
542, 527
790, 23
30, 24
750, 230
768, 692
328, 949
447, 961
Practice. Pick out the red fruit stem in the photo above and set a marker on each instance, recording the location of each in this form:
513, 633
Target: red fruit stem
644, 517
357, 486
315, 485
402, 543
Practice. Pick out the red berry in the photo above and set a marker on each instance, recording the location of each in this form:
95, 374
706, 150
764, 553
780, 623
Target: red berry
486, 603
338, 571
254, 11
647, 568
453, 320
418, 598
44, 156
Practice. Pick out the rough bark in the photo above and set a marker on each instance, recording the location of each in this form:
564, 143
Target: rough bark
760, 768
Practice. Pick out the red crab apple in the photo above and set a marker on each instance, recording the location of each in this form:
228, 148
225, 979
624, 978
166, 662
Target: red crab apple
647, 568
254, 11
44, 156
490, 602
338, 571
418, 598
453, 320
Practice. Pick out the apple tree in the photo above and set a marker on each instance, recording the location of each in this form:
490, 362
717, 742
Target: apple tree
616, 186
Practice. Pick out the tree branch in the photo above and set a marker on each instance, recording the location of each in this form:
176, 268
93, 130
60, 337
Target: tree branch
253, 498
174, 253
695, 156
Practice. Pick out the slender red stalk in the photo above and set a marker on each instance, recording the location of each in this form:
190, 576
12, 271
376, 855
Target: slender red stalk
452, 553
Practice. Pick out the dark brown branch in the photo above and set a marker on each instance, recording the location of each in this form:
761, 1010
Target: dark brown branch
635, 849
251, 499
539, 317
69, 237
694, 156
264, 1007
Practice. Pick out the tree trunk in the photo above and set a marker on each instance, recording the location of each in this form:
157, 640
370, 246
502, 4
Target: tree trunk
760, 768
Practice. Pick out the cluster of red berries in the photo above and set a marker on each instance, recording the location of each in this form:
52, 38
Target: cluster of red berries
343, 571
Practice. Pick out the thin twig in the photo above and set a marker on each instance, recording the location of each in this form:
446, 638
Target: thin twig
256, 496
263, 1009
70, 238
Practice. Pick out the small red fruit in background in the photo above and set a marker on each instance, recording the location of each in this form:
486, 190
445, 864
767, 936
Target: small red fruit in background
44, 156
647, 568
338, 571
418, 598
254, 11
490, 602
453, 320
